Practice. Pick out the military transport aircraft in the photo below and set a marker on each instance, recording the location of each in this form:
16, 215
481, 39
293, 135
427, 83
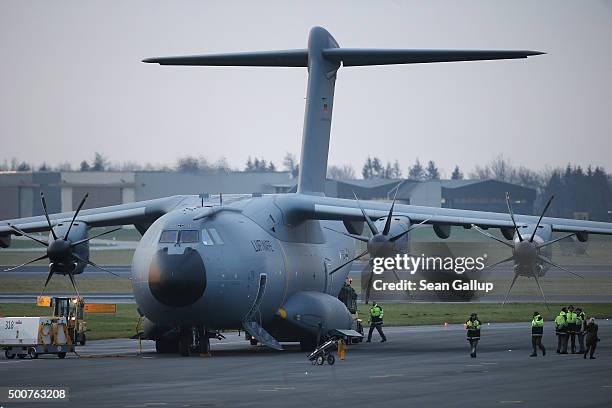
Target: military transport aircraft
265, 263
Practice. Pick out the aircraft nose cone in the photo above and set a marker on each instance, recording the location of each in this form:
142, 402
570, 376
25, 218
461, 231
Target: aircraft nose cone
177, 280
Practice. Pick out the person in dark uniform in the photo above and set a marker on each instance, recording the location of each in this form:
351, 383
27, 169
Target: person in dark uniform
581, 322
561, 331
591, 338
473, 333
572, 328
537, 331
376, 322
348, 296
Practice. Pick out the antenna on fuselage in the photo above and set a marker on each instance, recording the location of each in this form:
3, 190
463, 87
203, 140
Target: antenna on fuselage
323, 58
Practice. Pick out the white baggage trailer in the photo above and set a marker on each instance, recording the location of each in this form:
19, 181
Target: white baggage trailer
32, 336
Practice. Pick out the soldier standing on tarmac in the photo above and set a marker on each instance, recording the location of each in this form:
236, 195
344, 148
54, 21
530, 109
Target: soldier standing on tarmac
537, 331
561, 331
572, 328
473, 333
580, 323
591, 338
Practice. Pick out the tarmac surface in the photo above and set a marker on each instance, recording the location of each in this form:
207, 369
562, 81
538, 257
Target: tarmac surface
423, 366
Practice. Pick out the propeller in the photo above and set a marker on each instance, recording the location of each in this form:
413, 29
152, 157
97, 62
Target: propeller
526, 251
379, 244
59, 250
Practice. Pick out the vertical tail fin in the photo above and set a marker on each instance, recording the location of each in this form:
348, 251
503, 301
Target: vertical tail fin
323, 58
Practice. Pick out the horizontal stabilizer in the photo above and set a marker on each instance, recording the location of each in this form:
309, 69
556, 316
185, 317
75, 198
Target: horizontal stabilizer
284, 58
351, 57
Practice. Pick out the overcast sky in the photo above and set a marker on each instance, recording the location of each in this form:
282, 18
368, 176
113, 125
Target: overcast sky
72, 82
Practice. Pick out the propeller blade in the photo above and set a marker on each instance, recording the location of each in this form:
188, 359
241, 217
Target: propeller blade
486, 234
48, 279
369, 287
371, 224
20, 232
548, 261
509, 289
78, 258
541, 216
348, 262
512, 216
410, 228
547, 243
354, 236
496, 264
75, 215
94, 237
44, 204
45, 256
390, 216
71, 276
541, 290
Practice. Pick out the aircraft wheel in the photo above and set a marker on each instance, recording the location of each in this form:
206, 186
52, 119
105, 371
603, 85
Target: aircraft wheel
320, 360
8, 355
331, 359
83, 339
253, 341
61, 355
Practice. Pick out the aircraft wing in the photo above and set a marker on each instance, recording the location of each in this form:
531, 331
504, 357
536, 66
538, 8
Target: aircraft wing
327, 208
141, 213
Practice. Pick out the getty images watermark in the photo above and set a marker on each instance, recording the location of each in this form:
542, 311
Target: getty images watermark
404, 263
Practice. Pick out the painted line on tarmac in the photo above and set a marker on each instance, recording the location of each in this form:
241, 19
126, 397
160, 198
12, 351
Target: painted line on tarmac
386, 375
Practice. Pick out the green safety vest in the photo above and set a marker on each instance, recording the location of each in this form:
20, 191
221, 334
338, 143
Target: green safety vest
376, 311
580, 319
537, 326
472, 324
571, 317
537, 321
560, 320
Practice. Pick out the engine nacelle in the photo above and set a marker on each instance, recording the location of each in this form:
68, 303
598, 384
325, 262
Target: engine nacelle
77, 232
443, 231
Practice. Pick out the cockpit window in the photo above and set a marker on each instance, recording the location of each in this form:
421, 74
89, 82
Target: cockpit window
168, 237
206, 239
189, 236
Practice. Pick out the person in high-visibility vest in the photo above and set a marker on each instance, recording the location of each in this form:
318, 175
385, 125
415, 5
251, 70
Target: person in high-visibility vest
572, 328
561, 331
537, 331
473, 333
580, 323
376, 322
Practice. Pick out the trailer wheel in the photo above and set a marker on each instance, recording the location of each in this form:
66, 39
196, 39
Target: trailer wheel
32, 353
320, 360
61, 354
21, 356
8, 355
83, 339
331, 359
